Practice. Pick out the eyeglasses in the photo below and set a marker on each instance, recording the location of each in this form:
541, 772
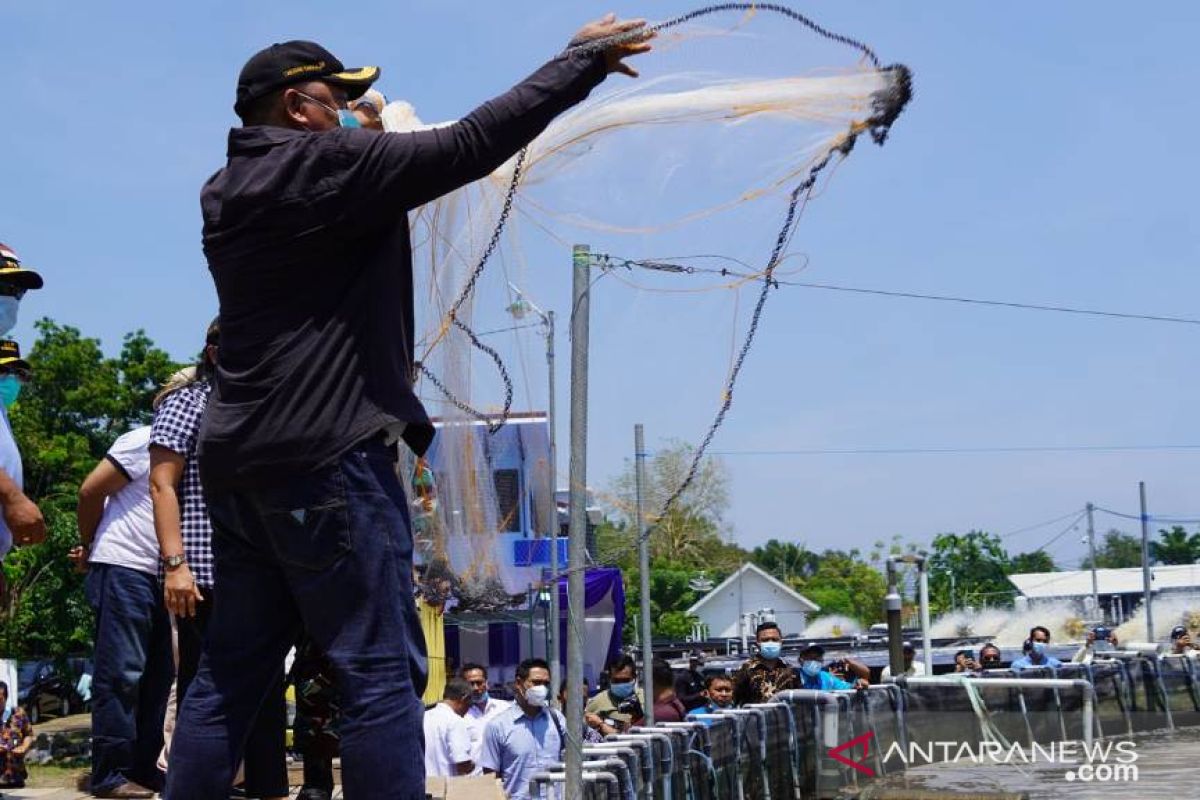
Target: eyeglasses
10, 290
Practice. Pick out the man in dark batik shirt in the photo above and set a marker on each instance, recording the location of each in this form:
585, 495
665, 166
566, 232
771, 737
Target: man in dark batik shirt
760, 678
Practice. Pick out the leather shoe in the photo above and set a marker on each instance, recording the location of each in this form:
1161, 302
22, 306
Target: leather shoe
312, 793
127, 791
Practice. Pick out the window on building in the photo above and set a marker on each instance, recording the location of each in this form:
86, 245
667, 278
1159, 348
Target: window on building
508, 499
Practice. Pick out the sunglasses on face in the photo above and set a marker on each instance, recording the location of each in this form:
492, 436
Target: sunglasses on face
8, 290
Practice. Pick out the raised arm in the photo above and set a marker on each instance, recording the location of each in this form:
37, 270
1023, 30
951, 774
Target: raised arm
398, 171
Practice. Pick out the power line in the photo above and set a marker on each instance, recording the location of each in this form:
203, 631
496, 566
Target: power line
1038, 525
1072, 525
998, 303
1151, 517
854, 451
667, 266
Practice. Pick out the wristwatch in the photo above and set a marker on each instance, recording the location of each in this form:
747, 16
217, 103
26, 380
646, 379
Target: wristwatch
174, 562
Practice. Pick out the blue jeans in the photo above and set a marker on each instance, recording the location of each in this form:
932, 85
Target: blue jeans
131, 678
331, 552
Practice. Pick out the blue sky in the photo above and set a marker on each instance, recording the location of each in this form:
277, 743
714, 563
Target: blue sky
1048, 157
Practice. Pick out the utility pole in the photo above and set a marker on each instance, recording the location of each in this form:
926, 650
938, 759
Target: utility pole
577, 534
1146, 587
1092, 554
518, 309
639, 480
552, 643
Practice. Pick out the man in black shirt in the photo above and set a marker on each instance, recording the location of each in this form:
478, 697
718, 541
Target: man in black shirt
306, 236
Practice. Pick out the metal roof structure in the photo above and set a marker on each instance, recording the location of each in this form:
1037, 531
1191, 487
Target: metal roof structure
1077, 583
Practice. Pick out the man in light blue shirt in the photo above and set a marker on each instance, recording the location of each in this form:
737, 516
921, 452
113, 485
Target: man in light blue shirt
1035, 651
528, 737
813, 674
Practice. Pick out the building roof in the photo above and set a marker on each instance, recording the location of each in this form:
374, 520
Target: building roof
1109, 581
808, 605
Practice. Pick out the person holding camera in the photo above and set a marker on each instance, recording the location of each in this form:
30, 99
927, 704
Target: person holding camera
621, 705
1099, 639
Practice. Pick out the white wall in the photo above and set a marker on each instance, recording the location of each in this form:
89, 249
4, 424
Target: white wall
721, 612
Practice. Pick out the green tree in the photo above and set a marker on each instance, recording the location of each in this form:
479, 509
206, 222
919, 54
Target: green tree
979, 564
1115, 551
696, 518
1176, 546
1036, 561
785, 560
78, 402
844, 584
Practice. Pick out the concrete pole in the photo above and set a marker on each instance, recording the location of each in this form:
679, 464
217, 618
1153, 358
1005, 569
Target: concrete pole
639, 479
552, 637
1092, 554
577, 478
1146, 580
892, 607
926, 641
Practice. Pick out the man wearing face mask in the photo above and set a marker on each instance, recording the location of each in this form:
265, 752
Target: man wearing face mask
718, 696
482, 707
1035, 651
813, 674
22, 522
306, 236
527, 738
622, 704
766, 673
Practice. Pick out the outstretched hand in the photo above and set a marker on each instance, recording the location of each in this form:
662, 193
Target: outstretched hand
636, 42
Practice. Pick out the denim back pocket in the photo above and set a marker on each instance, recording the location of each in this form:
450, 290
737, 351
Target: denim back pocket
308, 521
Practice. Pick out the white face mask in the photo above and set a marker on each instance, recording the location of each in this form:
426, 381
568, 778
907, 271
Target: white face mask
8, 313
537, 696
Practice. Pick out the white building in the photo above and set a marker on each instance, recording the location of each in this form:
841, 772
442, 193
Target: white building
737, 605
1118, 590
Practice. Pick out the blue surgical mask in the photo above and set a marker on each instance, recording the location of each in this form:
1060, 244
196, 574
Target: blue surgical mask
480, 698
344, 116
8, 313
811, 668
770, 650
1039, 649
621, 690
10, 389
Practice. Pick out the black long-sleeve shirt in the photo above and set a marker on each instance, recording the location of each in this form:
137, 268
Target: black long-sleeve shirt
307, 239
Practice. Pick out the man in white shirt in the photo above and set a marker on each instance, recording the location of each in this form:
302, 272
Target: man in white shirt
483, 706
447, 741
133, 669
21, 521
911, 665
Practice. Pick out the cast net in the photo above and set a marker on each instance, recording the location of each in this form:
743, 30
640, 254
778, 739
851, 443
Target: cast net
742, 114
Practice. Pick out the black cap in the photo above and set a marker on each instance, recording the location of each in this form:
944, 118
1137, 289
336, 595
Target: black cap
296, 62
813, 647
908, 647
1101, 632
1177, 631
